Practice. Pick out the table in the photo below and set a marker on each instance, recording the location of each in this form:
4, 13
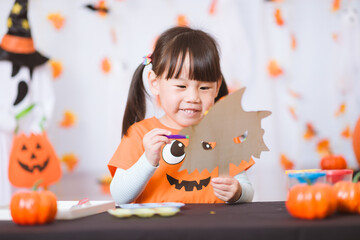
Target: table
258, 220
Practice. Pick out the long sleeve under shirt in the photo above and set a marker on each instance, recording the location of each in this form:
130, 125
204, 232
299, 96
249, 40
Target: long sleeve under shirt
126, 185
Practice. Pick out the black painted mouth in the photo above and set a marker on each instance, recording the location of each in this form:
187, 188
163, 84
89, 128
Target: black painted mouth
189, 185
27, 168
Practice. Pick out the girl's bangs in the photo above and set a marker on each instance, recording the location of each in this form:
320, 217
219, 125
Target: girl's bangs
203, 60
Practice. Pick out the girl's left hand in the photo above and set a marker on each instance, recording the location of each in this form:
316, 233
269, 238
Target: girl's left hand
227, 189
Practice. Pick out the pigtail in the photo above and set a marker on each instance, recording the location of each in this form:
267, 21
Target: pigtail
136, 102
223, 91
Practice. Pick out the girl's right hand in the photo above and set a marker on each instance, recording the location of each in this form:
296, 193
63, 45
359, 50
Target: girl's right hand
153, 141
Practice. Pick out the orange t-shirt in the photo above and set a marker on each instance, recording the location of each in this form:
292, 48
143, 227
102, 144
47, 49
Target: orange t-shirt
167, 184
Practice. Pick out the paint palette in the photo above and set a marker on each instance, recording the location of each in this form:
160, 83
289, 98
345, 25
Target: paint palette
143, 212
146, 210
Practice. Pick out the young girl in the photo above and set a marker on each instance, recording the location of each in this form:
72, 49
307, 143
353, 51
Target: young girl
186, 79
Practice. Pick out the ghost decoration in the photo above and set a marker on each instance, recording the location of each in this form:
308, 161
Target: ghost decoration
26, 104
227, 134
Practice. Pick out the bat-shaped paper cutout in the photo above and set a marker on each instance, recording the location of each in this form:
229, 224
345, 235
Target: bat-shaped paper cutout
227, 134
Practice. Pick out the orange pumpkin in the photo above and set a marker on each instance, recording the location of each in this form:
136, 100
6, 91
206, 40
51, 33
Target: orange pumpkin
333, 162
32, 158
356, 140
311, 202
348, 195
33, 207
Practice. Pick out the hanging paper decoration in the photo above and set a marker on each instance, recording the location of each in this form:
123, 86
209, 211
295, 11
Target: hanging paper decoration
274, 69
293, 42
70, 160
57, 20
56, 67
213, 6
295, 94
293, 112
341, 110
216, 144
309, 132
323, 147
278, 17
346, 133
285, 162
105, 65
100, 7
336, 5
33, 158
69, 119
182, 21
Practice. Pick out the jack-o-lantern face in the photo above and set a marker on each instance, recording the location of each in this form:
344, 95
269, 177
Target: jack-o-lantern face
33, 158
174, 154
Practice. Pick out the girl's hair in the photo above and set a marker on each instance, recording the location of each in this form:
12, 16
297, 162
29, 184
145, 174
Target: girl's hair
167, 60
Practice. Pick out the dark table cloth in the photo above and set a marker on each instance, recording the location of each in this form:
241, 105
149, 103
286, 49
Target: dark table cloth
258, 220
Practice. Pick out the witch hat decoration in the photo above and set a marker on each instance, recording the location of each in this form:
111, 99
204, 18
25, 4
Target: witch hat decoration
17, 44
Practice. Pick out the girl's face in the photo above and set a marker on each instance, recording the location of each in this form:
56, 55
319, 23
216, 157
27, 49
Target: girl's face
184, 101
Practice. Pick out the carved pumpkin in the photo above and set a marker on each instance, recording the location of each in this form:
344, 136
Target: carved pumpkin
333, 162
311, 202
33, 158
33, 207
356, 141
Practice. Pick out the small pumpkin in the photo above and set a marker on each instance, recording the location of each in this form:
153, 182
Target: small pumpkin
333, 162
348, 195
33, 207
33, 157
356, 140
311, 201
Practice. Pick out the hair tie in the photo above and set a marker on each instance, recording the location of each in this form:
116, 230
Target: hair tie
147, 59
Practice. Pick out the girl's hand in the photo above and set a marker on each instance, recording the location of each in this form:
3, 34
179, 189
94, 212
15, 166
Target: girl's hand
227, 189
153, 141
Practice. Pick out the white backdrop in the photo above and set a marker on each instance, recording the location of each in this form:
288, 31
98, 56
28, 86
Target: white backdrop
323, 69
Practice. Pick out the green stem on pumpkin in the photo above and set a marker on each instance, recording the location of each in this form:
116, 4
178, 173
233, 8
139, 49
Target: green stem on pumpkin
356, 177
36, 184
308, 181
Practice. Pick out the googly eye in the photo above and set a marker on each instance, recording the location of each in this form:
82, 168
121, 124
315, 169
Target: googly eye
174, 152
241, 138
208, 145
